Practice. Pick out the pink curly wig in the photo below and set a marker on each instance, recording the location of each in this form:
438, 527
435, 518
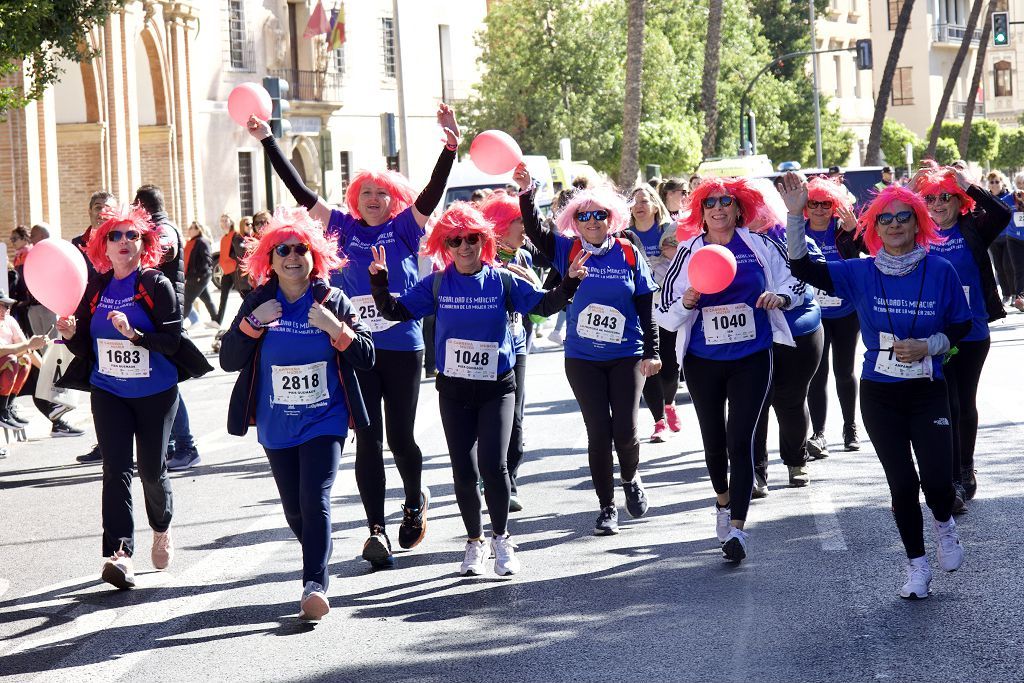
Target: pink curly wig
461, 219
402, 192
943, 180
753, 209
599, 197
285, 224
501, 209
927, 231
822, 189
133, 217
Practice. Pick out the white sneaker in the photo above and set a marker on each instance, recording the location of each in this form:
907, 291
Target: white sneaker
505, 560
163, 549
919, 578
476, 554
948, 547
735, 546
722, 518
313, 605
118, 571
556, 337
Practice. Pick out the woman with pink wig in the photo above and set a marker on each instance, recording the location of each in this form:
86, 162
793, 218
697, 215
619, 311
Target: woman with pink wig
474, 302
130, 355
912, 311
969, 219
383, 210
612, 341
724, 340
296, 343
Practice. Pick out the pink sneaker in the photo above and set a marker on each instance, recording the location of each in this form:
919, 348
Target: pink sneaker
675, 423
659, 432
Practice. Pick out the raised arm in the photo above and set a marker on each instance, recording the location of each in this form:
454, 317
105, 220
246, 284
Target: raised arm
389, 306
431, 195
815, 273
317, 206
994, 215
542, 237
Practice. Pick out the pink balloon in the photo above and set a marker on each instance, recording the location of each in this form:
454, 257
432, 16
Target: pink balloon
712, 269
56, 276
495, 152
248, 99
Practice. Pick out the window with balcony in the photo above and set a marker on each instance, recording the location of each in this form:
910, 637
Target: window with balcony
338, 60
246, 185
387, 33
894, 13
239, 41
902, 90
1003, 79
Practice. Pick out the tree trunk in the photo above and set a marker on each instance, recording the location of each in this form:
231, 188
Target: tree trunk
873, 156
979, 70
954, 75
629, 164
709, 84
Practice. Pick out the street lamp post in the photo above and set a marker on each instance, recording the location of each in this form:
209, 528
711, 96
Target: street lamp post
817, 103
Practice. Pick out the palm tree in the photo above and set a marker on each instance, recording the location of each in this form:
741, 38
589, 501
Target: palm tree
954, 75
873, 156
709, 84
629, 164
979, 70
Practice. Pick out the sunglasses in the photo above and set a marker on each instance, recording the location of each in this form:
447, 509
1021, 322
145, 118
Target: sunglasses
901, 217
283, 250
943, 197
814, 204
456, 242
712, 202
130, 235
597, 215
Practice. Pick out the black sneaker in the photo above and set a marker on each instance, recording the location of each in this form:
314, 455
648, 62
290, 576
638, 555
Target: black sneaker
850, 440
760, 486
92, 456
7, 421
636, 497
607, 522
62, 428
817, 446
377, 549
183, 460
414, 522
970, 482
15, 416
959, 504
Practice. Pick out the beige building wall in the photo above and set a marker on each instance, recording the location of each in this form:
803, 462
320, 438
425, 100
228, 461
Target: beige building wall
1003, 85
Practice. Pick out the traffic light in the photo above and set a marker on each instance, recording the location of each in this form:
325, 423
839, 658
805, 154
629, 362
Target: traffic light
864, 58
278, 89
1000, 29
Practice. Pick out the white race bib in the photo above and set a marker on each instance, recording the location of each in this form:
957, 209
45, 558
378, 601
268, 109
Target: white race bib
470, 359
728, 324
1018, 219
366, 310
517, 325
886, 363
300, 385
121, 358
601, 323
826, 301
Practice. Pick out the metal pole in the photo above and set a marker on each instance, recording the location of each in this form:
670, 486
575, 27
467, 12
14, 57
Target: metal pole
403, 153
817, 104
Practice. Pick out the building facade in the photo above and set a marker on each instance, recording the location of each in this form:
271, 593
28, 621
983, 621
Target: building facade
1002, 85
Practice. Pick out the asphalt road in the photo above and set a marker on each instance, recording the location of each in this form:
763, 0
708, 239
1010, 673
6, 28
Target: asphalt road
815, 600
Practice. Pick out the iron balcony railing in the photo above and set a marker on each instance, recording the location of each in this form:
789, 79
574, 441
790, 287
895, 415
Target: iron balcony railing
311, 86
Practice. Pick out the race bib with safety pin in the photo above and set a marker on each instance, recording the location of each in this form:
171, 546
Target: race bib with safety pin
470, 359
300, 385
368, 313
121, 358
886, 363
728, 324
601, 323
825, 300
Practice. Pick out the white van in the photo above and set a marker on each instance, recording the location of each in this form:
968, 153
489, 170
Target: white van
466, 177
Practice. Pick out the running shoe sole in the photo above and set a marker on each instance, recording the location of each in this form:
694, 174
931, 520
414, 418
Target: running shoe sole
915, 596
425, 500
63, 433
115, 577
314, 607
472, 571
599, 531
733, 550
376, 553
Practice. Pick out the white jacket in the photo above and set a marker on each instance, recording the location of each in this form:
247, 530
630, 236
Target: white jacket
670, 313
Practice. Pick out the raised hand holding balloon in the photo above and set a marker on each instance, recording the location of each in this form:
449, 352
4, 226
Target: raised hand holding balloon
249, 99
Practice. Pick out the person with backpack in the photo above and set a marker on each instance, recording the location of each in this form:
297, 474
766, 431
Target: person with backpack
130, 355
611, 346
473, 301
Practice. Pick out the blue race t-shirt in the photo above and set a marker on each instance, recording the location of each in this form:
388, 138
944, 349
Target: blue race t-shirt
400, 238
916, 306
1011, 228
728, 324
524, 259
473, 338
299, 392
832, 307
956, 251
602, 319
805, 317
122, 368
650, 239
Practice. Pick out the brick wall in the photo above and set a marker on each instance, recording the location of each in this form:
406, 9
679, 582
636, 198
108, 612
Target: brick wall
81, 173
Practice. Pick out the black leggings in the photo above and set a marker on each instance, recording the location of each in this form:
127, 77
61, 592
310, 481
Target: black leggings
477, 432
608, 393
1004, 265
1015, 248
304, 475
963, 373
660, 390
915, 413
394, 380
794, 367
741, 388
515, 445
227, 283
841, 339
198, 289
144, 423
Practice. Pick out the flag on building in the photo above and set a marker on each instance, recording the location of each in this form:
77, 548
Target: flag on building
337, 36
318, 23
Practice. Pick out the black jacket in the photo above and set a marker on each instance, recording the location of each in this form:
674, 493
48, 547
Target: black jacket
167, 338
200, 261
173, 265
240, 352
980, 228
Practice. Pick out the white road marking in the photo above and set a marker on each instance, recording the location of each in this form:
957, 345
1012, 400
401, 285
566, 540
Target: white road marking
825, 518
